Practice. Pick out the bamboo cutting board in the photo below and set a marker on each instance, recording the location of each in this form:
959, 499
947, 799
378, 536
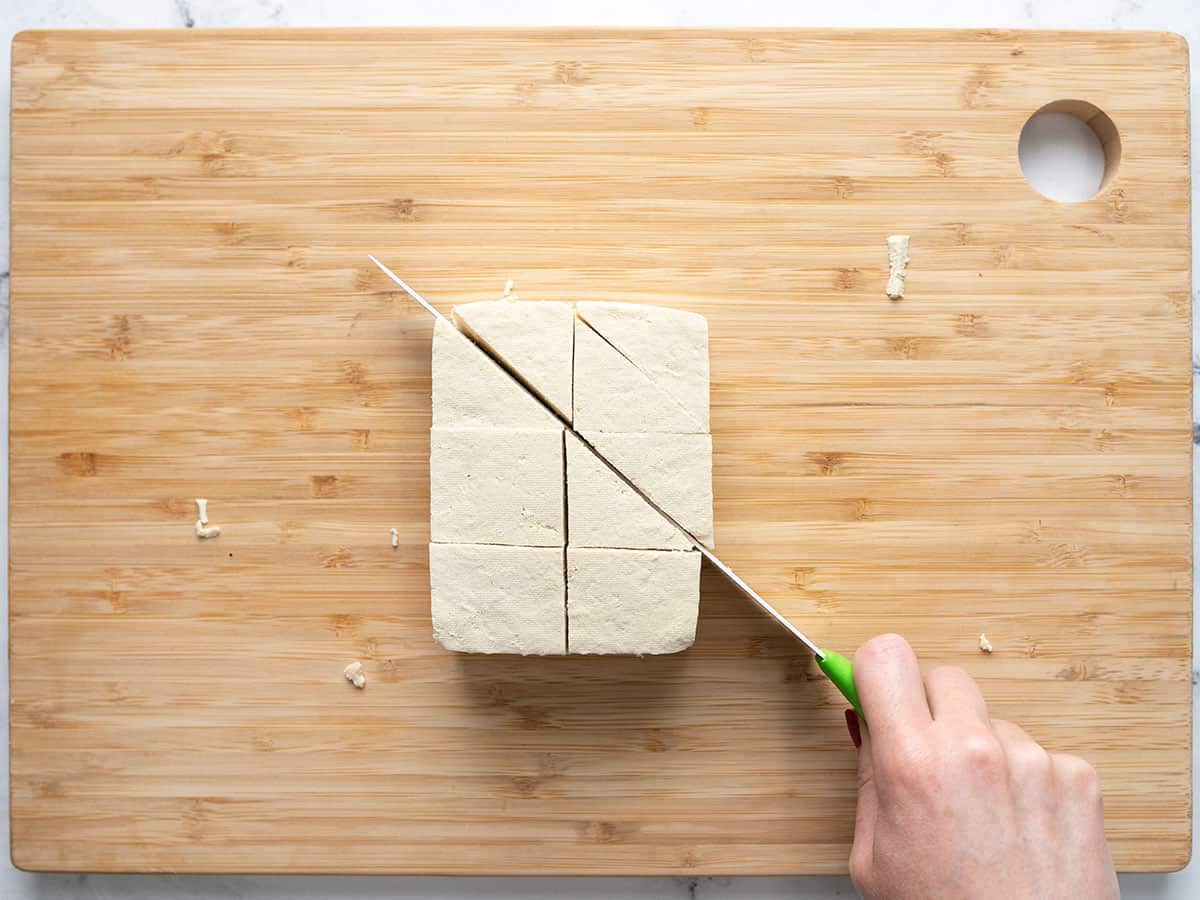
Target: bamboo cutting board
1005, 450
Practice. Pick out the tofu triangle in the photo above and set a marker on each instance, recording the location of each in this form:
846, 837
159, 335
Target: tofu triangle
603, 511
535, 339
670, 346
472, 391
612, 394
673, 470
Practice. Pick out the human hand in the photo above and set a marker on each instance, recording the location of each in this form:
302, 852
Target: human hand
954, 804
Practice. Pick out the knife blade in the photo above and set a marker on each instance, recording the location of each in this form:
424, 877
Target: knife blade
835, 666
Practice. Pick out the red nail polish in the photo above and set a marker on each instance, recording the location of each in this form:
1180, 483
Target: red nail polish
852, 727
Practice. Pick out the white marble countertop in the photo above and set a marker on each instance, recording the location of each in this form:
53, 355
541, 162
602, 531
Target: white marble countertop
1166, 15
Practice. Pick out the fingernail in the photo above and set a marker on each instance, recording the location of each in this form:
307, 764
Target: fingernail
852, 727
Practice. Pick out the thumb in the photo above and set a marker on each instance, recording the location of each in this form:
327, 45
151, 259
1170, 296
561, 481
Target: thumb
863, 850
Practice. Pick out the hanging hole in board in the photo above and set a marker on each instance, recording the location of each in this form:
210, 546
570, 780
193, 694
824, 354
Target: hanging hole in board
1069, 150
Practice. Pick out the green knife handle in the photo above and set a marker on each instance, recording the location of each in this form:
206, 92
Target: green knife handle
841, 672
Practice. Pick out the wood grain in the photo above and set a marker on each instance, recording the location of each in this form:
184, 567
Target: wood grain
1006, 450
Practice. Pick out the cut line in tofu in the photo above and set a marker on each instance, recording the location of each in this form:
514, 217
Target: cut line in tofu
632, 601
487, 599
496, 486
534, 339
670, 346
522, 512
603, 511
472, 391
673, 470
612, 394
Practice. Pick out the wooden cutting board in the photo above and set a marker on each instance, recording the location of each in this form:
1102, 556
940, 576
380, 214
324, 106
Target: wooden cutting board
1005, 450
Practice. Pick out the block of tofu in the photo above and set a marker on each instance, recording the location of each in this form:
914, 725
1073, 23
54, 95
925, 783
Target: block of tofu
632, 601
496, 486
612, 394
498, 599
471, 391
673, 470
535, 339
669, 345
603, 511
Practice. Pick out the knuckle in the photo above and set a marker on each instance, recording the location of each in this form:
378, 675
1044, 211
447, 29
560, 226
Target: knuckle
906, 753
906, 765
983, 753
1019, 745
915, 785
946, 673
1078, 775
1030, 759
912, 772
944, 679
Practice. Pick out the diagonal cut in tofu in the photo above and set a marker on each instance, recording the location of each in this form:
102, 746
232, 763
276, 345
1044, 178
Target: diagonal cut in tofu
612, 394
669, 345
603, 511
535, 339
673, 470
472, 391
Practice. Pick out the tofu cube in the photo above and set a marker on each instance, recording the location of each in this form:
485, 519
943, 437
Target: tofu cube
487, 599
496, 486
632, 601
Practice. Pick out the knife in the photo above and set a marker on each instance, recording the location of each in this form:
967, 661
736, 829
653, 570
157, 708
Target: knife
836, 667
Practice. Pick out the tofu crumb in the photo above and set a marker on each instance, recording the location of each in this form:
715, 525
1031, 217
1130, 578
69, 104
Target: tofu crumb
203, 529
508, 294
395, 538
354, 674
897, 245
984, 644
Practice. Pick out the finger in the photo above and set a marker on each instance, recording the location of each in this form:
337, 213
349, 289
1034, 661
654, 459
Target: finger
953, 694
1030, 766
862, 851
1081, 814
1012, 735
890, 688
1077, 785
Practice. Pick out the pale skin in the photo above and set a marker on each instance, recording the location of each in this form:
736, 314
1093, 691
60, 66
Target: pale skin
955, 804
